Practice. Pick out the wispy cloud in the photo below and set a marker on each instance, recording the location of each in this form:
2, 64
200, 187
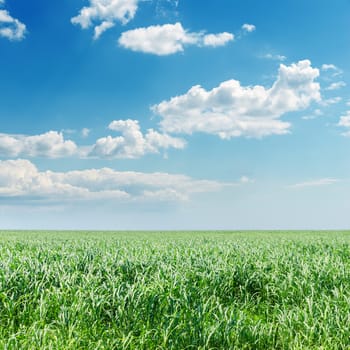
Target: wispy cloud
336, 71
274, 57
344, 122
85, 132
330, 101
316, 113
316, 183
336, 86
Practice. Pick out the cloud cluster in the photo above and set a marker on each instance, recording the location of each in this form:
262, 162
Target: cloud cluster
231, 110
103, 14
50, 144
133, 143
10, 28
20, 179
169, 39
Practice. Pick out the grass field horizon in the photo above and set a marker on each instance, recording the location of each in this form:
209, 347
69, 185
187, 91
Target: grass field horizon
174, 289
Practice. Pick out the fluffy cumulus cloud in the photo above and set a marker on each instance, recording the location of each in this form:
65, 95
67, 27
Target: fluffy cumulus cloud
232, 110
133, 143
10, 27
103, 14
169, 39
51, 144
22, 180
344, 122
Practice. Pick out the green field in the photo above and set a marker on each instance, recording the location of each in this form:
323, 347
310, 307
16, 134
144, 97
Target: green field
174, 290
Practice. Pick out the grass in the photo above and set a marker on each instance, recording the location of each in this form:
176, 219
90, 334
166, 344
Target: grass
174, 290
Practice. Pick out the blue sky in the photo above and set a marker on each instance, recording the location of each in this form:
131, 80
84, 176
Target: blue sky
164, 114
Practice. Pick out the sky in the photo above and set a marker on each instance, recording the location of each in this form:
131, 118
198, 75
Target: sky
174, 114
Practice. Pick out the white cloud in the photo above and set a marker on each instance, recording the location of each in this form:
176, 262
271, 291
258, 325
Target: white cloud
85, 132
169, 39
248, 27
246, 180
274, 57
331, 71
316, 183
316, 113
11, 28
100, 29
336, 71
344, 121
326, 67
220, 39
330, 101
132, 143
50, 144
68, 131
160, 39
22, 180
155, 141
336, 86
105, 13
232, 110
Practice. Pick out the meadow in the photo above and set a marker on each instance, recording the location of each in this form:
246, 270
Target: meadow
174, 290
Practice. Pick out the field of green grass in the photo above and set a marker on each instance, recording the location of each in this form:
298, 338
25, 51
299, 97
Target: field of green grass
174, 290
